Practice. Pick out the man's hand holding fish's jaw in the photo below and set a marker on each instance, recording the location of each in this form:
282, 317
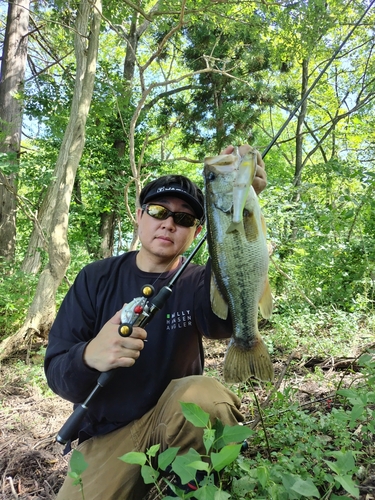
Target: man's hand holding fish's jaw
260, 179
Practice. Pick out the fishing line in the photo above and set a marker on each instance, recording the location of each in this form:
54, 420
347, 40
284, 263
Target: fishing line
309, 90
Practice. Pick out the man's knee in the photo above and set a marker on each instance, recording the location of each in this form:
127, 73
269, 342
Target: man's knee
211, 396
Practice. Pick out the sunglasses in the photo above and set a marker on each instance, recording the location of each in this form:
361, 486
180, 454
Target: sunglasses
161, 213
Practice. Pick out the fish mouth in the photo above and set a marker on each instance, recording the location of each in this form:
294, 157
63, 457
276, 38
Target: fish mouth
222, 164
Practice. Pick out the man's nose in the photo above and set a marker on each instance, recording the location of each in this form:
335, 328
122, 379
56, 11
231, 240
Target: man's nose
169, 222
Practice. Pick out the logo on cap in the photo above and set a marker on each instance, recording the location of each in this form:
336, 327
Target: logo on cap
164, 188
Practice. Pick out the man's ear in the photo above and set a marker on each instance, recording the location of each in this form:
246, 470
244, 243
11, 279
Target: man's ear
138, 214
197, 231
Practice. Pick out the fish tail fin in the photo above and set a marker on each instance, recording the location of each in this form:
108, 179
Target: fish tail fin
236, 226
265, 302
241, 362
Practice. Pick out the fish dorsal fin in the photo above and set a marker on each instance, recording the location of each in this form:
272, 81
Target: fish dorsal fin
218, 303
265, 302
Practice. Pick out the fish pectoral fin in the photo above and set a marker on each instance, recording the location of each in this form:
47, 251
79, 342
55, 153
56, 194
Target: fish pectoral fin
250, 226
218, 303
236, 226
265, 302
263, 224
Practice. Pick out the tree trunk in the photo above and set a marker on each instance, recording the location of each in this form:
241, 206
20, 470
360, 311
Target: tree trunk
300, 125
38, 238
108, 220
11, 81
107, 231
42, 310
133, 36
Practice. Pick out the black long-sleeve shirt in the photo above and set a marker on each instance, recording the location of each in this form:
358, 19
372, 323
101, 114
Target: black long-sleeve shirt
174, 342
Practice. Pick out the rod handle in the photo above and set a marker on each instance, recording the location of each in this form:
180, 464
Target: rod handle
72, 425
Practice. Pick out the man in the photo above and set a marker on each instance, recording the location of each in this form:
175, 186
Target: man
141, 404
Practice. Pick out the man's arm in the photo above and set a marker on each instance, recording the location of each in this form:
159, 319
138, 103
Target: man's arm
77, 352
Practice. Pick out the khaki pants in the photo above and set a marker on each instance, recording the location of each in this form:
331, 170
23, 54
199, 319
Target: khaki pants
108, 478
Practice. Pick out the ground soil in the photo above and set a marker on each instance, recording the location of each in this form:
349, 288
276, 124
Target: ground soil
31, 462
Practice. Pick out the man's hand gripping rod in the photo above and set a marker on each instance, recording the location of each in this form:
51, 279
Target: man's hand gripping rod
138, 312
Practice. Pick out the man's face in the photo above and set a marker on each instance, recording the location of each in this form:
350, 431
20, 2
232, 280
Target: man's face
165, 238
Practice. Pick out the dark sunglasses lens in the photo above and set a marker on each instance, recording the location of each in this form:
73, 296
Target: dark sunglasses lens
157, 211
183, 219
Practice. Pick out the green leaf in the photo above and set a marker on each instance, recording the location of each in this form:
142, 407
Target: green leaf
221, 495
76, 478
244, 465
236, 433
166, 457
219, 428
263, 475
181, 465
345, 462
208, 438
349, 485
149, 474
351, 395
277, 492
333, 466
77, 463
306, 488
243, 485
210, 492
194, 414
134, 457
225, 456
288, 481
151, 452
364, 359
356, 413
199, 465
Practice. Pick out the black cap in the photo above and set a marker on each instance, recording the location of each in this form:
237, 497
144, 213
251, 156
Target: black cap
183, 188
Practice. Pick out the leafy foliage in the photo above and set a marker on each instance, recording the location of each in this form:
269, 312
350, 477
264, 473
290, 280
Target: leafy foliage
307, 454
220, 452
311, 454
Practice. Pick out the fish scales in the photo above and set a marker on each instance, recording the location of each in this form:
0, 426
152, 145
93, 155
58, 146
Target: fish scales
240, 268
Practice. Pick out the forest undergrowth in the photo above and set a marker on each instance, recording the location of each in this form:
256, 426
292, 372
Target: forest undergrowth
312, 430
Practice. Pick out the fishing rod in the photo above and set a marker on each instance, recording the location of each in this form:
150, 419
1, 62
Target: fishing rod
138, 312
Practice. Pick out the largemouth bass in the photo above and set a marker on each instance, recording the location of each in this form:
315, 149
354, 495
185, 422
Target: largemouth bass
236, 237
